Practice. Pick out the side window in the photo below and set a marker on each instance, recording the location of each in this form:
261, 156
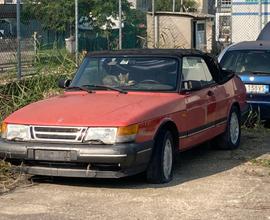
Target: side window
195, 69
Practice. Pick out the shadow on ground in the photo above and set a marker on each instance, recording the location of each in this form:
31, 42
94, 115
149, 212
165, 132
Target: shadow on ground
197, 163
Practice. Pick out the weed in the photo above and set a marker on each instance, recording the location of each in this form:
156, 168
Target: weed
261, 162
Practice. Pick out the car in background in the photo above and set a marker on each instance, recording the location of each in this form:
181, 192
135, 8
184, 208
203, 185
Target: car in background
127, 112
250, 60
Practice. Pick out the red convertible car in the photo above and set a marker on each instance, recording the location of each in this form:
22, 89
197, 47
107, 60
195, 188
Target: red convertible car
127, 112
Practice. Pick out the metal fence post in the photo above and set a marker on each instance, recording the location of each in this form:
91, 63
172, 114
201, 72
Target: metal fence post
260, 15
18, 15
76, 34
173, 6
154, 26
120, 24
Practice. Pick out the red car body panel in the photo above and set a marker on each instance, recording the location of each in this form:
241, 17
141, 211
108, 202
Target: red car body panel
187, 111
99, 109
158, 106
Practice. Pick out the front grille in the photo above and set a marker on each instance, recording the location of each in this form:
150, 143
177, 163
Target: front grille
58, 134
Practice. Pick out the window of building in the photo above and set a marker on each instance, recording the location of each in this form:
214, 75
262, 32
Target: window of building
9, 2
224, 3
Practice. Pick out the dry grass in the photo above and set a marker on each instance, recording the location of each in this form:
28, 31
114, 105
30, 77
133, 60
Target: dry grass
9, 179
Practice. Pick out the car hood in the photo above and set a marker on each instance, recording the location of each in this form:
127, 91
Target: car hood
97, 109
250, 78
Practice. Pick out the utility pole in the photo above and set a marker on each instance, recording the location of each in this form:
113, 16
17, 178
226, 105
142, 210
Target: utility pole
76, 33
154, 26
260, 15
120, 24
173, 6
19, 60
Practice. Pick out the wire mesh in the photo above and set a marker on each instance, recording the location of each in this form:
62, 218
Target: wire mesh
235, 20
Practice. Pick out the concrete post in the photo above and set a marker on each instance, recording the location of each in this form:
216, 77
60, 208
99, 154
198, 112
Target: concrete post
76, 33
19, 60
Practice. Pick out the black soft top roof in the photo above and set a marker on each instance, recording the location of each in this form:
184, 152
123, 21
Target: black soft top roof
210, 60
145, 52
251, 45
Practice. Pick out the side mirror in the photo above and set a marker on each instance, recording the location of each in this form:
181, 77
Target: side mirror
64, 83
191, 85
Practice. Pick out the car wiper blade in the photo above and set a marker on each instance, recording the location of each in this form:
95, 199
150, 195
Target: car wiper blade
82, 88
106, 87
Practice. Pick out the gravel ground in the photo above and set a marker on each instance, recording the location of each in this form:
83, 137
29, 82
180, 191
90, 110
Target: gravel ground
208, 184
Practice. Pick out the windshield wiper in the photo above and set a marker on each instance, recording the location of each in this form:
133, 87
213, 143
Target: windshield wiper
82, 88
106, 87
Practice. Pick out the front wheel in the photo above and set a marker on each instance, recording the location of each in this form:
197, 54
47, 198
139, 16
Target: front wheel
160, 169
230, 139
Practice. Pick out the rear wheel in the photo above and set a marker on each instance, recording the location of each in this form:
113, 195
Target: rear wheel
230, 139
160, 169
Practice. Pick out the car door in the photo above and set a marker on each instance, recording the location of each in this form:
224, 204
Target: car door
221, 93
200, 104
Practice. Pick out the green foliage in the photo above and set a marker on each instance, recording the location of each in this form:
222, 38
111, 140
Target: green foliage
167, 5
59, 15
16, 94
261, 162
101, 10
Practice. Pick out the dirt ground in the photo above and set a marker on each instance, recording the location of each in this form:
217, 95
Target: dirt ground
208, 184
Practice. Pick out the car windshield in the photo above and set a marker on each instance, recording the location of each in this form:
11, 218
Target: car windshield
128, 73
241, 61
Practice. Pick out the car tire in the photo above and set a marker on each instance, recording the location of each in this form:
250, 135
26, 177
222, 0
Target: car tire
267, 123
230, 139
160, 168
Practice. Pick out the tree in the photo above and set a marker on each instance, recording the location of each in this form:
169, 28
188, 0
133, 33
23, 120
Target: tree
59, 15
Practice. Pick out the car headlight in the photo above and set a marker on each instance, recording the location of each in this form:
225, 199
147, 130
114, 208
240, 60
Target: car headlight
15, 132
112, 135
103, 135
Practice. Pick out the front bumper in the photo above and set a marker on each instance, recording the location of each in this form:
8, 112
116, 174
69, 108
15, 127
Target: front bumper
78, 160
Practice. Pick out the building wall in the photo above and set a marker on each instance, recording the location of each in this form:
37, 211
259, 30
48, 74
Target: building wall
209, 35
173, 31
144, 5
202, 6
246, 19
8, 1
133, 3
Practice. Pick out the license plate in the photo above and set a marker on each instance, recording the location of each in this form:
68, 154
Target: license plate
259, 89
50, 155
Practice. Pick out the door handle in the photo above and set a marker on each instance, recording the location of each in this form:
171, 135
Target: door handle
210, 93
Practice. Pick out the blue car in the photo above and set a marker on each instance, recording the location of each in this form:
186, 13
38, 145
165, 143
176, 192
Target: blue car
251, 61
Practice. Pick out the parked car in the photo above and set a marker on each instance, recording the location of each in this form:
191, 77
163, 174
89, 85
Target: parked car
127, 112
251, 61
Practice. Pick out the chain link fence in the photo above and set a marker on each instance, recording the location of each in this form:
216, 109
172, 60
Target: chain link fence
41, 45
240, 20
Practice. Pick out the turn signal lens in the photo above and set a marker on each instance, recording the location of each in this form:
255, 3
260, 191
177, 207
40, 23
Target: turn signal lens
3, 130
129, 130
127, 134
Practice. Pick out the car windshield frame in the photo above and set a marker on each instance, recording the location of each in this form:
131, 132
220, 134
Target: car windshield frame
238, 53
88, 58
